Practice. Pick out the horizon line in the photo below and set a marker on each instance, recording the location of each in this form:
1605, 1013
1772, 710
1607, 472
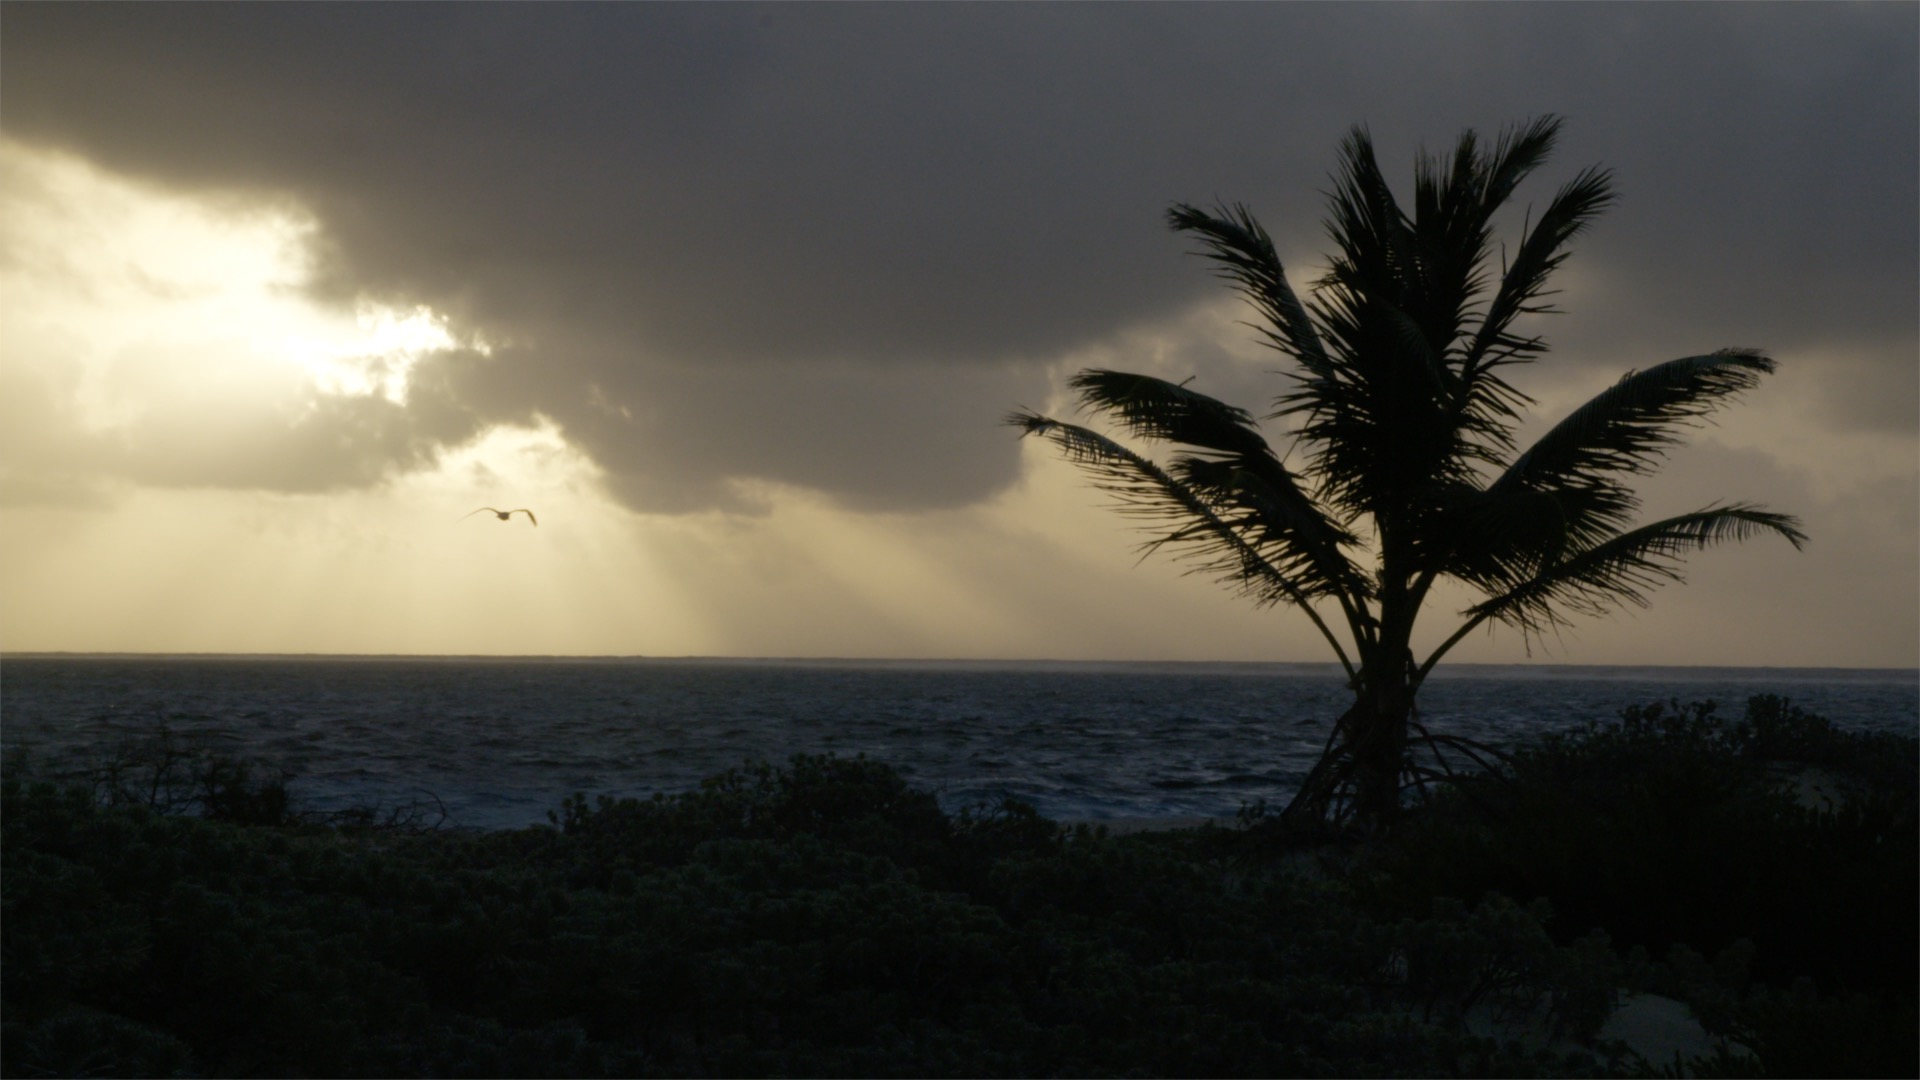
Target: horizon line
943, 660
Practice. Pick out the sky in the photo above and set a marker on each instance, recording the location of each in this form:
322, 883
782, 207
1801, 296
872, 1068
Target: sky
735, 298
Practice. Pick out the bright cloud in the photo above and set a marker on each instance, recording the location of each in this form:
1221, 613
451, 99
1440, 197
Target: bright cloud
161, 337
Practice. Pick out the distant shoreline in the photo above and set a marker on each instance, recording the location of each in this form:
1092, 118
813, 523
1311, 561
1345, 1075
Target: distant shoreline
1225, 667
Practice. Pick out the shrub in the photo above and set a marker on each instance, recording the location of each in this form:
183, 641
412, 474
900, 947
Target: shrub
1681, 833
822, 918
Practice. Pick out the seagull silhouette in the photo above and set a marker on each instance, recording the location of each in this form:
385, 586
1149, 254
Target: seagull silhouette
504, 514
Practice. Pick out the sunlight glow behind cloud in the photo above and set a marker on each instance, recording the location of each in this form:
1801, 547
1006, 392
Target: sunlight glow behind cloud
377, 355
108, 272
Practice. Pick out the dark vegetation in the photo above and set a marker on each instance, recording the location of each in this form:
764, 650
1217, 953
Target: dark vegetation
823, 918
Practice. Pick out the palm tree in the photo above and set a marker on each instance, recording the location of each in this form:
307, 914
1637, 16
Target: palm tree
1411, 473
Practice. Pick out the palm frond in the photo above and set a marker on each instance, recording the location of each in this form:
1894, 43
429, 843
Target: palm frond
1516, 154
1269, 510
1199, 531
1200, 524
1455, 200
1400, 411
1244, 253
1446, 197
1153, 408
1494, 540
1624, 429
1542, 250
1236, 469
1627, 427
1374, 235
1621, 569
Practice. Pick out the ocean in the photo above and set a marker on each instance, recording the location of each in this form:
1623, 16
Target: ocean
502, 741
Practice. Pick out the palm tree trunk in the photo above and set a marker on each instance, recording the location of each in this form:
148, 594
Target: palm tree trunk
1379, 735
1358, 777
1378, 742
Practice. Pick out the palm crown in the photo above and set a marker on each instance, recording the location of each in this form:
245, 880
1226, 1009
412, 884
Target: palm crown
1398, 396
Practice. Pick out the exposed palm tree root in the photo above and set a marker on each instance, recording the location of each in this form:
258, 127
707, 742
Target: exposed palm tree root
1330, 793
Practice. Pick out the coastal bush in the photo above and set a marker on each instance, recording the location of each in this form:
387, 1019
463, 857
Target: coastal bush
172, 773
1681, 833
818, 917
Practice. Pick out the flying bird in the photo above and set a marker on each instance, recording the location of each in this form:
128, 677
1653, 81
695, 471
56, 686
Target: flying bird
504, 514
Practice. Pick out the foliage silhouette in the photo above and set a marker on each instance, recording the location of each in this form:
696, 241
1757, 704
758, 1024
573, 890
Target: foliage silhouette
1782, 846
775, 922
824, 918
1400, 399
1674, 825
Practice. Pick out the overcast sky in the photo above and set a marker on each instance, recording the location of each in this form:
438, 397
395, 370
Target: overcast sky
735, 296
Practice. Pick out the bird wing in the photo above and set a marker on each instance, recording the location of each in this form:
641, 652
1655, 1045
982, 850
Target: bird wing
529, 514
487, 509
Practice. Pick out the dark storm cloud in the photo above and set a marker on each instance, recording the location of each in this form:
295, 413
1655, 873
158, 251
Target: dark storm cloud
829, 245
671, 436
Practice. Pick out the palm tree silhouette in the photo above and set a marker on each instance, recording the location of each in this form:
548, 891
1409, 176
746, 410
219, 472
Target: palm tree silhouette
1411, 473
